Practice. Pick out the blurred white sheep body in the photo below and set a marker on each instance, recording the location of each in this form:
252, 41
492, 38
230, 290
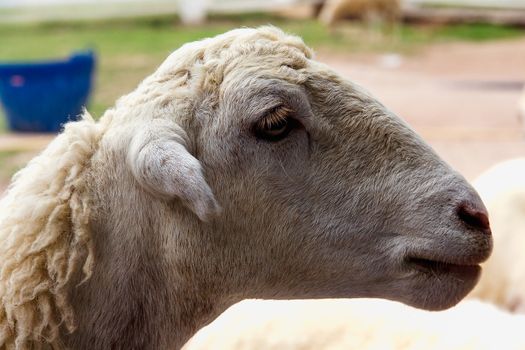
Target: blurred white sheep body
502, 188
359, 324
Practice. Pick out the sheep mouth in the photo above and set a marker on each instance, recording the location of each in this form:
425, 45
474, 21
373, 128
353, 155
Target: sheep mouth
439, 267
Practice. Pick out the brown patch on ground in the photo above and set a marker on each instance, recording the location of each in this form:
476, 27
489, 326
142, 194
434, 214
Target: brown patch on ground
24, 142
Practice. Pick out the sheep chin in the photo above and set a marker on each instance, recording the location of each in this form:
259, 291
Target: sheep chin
439, 286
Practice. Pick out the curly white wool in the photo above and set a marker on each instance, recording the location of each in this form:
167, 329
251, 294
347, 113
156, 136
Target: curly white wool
39, 251
502, 188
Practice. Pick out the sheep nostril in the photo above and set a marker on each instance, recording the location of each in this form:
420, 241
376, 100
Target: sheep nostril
474, 217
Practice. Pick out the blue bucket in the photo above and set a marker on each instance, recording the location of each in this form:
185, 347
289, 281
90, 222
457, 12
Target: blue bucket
42, 96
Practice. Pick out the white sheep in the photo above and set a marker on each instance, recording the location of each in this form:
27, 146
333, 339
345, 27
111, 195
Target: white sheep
334, 10
359, 324
503, 190
242, 168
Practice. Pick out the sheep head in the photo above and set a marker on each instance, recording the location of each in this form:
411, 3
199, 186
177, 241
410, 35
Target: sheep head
324, 192
242, 168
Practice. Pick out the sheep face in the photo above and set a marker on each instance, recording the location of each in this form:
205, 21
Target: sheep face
322, 191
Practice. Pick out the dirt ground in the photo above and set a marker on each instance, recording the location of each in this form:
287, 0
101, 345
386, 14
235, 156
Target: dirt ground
462, 98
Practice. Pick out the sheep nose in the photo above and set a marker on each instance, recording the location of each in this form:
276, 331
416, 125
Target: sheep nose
473, 214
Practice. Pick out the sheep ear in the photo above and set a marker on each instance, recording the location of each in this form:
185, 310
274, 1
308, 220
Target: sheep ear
160, 162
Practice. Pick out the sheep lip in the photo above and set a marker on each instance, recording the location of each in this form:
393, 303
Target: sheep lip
435, 266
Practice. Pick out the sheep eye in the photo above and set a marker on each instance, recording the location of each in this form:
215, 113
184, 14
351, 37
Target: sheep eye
276, 125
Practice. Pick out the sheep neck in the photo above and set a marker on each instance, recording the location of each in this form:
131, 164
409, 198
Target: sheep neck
141, 294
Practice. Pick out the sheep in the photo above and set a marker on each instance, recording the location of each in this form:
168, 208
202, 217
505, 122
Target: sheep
363, 324
503, 190
241, 168
374, 324
334, 10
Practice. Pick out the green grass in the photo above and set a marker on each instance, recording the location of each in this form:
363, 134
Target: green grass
3, 122
477, 32
130, 49
5, 155
157, 36
10, 162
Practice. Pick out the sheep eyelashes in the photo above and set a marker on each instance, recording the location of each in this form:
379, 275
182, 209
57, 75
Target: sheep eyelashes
161, 163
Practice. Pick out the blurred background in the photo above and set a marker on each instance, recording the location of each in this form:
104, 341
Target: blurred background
454, 69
